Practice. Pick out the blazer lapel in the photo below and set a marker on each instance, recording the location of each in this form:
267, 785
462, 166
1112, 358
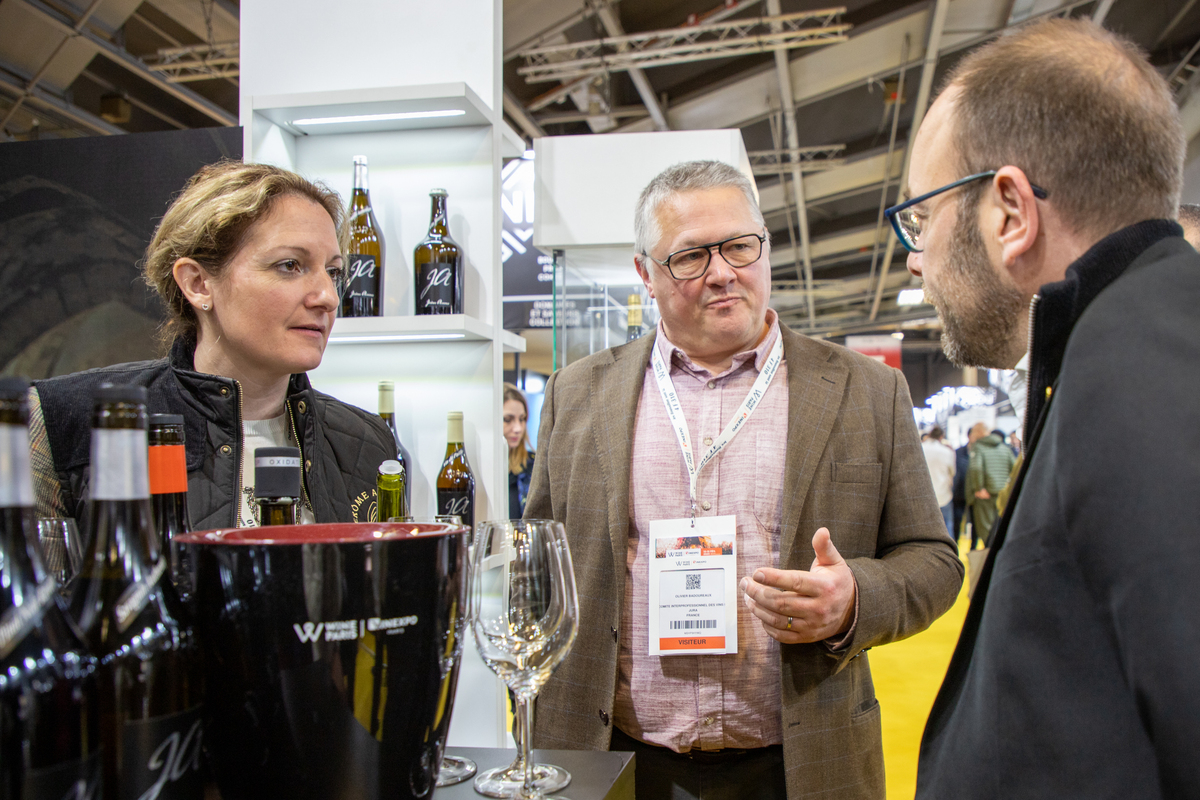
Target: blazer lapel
616, 388
815, 389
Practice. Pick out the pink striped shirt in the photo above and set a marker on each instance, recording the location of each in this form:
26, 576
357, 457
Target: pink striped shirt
711, 701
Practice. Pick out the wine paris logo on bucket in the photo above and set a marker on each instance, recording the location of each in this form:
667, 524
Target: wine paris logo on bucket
342, 630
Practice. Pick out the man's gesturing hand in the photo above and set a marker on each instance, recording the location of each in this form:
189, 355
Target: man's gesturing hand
819, 602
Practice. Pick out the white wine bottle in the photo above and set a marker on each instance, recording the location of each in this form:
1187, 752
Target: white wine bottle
363, 295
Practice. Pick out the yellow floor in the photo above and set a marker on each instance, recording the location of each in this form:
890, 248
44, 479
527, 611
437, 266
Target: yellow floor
907, 675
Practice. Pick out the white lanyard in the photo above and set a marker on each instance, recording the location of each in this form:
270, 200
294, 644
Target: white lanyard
675, 412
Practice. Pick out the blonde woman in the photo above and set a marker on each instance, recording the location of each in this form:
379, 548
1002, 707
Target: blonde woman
248, 262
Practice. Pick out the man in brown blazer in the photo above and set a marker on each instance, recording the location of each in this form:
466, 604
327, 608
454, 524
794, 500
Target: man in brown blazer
820, 478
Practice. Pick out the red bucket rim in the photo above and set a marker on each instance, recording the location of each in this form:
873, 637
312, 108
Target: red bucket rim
321, 533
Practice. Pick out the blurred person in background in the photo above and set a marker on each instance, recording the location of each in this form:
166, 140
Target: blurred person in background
520, 458
962, 502
987, 473
940, 460
248, 262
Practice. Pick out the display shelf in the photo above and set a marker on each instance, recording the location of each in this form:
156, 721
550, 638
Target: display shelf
461, 107
282, 83
432, 328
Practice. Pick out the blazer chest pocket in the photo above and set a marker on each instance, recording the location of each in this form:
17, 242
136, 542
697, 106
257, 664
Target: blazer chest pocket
857, 473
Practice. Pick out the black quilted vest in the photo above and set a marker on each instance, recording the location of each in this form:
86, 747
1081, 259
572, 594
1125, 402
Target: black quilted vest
342, 446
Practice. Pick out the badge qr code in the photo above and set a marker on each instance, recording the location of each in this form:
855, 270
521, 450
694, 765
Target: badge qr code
693, 581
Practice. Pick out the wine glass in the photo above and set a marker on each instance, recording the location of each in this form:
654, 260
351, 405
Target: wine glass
62, 549
525, 615
453, 769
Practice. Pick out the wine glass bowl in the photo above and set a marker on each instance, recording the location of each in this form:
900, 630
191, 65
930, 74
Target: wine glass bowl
525, 616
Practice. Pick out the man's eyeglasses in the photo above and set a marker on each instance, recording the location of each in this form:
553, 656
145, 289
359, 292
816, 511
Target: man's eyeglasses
692, 262
907, 223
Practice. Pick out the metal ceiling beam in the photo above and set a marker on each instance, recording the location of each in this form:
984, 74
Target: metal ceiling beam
1102, 9
124, 59
608, 18
932, 46
784, 75
33, 82
1174, 23
144, 106
55, 108
562, 117
683, 45
525, 121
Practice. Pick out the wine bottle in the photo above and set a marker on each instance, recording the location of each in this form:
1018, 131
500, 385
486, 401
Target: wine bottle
387, 412
456, 483
168, 494
390, 484
277, 485
633, 323
149, 673
49, 706
438, 265
363, 296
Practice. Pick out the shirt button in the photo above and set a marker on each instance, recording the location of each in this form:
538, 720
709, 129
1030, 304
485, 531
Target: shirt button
712, 384
706, 505
708, 720
604, 716
707, 441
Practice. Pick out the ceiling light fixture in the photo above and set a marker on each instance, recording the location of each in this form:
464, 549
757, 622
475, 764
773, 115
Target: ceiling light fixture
449, 112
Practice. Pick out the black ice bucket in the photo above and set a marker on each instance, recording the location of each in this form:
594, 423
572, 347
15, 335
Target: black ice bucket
330, 653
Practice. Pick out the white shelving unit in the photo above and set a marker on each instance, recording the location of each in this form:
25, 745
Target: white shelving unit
311, 60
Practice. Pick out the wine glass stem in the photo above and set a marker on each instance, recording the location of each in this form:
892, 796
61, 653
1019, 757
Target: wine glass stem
525, 709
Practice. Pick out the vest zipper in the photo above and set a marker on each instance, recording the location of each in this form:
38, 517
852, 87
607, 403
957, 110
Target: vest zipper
237, 453
303, 475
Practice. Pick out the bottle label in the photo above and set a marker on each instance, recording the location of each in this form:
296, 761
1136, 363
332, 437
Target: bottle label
19, 620
17, 491
459, 504
120, 469
168, 469
70, 780
361, 277
436, 284
136, 595
160, 758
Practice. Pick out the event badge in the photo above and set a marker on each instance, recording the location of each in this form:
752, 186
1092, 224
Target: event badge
693, 586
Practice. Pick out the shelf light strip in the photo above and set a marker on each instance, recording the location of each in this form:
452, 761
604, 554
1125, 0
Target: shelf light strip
449, 112
394, 337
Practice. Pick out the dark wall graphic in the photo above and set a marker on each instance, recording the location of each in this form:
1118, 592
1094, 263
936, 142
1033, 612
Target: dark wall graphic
75, 218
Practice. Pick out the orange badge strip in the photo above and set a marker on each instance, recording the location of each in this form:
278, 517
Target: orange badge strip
168, 469
693, 643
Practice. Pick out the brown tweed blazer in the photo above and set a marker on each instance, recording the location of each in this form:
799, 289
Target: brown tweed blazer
855, 465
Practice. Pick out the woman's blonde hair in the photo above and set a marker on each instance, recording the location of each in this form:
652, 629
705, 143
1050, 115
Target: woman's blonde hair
518, 456
208, 223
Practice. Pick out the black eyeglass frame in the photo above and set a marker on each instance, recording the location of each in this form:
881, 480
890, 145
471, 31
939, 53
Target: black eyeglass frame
893, 213
762, 238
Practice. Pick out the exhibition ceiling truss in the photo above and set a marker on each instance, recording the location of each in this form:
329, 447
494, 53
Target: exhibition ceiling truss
198, 62
810, 159
826, 100
684, 45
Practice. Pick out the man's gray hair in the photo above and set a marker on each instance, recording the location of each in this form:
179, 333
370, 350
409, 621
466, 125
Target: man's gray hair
684, 177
